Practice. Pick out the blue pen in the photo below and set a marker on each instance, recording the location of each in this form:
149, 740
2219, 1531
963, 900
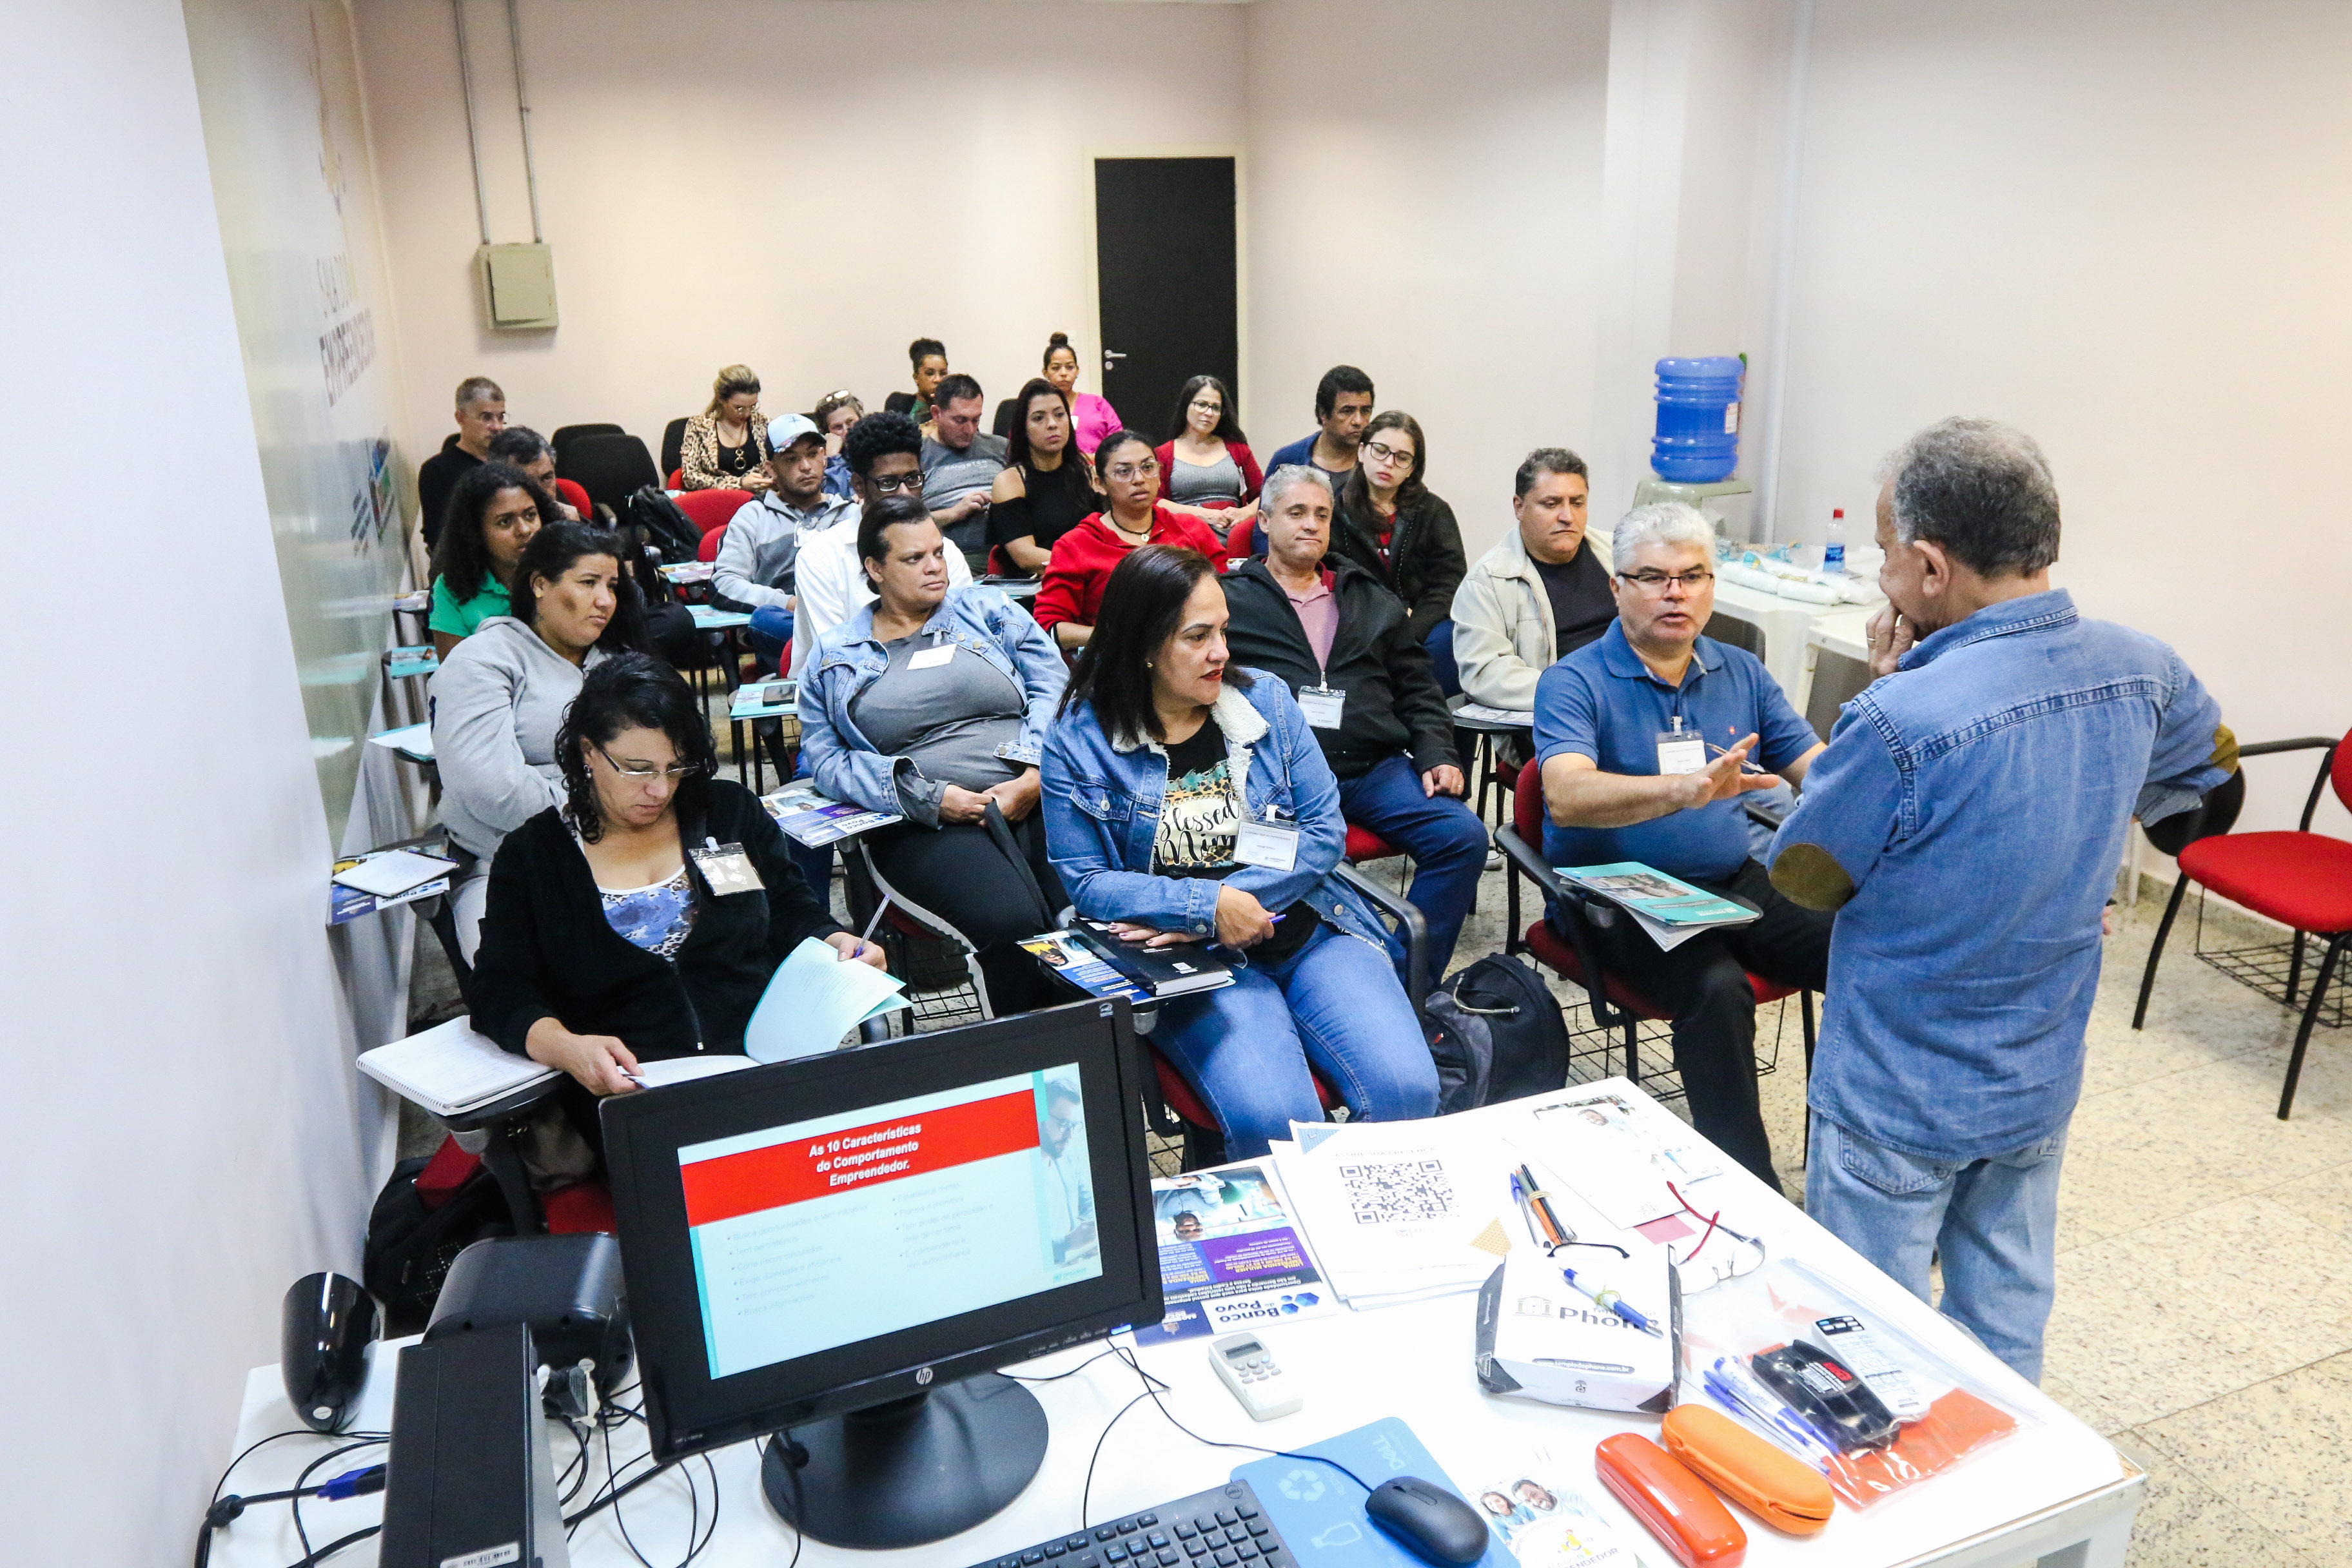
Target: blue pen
1610, 1300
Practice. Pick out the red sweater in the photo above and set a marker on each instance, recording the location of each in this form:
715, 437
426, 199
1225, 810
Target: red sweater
1084, 558
1251, 479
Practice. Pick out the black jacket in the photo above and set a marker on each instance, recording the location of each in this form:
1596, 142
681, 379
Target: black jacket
1426, 550
547, 949
1393, 702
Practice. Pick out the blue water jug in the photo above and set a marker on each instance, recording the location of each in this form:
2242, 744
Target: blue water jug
1698, 419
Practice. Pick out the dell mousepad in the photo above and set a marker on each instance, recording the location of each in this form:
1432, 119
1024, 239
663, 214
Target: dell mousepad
1320, 1513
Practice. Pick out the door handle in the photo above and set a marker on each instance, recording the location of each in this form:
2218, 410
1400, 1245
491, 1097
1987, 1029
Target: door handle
1109, 354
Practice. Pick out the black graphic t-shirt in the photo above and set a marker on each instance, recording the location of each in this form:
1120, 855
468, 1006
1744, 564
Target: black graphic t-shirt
1199, 819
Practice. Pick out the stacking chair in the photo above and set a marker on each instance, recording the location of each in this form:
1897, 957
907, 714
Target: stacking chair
610, 467
2301, 879
711, 509
673, 446
1615, 1005
563, 437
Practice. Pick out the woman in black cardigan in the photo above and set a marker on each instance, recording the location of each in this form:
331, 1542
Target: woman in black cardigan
1386, 522
620, 925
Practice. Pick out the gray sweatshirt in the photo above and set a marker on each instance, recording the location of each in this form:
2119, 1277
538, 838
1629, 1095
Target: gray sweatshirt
757, 557
497, 701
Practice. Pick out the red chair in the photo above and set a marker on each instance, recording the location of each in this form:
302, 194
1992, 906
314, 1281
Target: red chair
1241, 543
675, 481
1615, 1005
711, 509
1204, 1142
2301, 879
711, 540
572, 493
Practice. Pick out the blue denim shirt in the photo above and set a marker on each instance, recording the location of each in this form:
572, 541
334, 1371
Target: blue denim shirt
849, 659
1965, 823
1102, 814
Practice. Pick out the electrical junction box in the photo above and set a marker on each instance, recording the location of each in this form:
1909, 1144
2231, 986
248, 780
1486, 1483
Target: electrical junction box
518, 287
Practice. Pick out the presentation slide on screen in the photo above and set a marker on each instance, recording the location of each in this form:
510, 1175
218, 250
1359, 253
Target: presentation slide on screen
847, 1228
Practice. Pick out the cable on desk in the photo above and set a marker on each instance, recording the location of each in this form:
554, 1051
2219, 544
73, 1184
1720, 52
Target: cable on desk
1153, 1386
302, 1483
1056, 1378
220, 1511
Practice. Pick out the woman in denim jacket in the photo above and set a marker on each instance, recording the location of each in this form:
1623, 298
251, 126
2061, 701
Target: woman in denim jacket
1187, 801
933, 702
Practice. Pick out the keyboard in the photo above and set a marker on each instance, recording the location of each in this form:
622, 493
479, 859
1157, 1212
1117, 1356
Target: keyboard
1221, 1528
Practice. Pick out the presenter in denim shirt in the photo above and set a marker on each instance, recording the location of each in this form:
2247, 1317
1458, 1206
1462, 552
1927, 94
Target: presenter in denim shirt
1966, 823
1600, 716
1186, 801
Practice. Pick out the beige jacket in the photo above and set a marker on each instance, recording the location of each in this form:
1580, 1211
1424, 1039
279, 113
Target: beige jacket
1503, 635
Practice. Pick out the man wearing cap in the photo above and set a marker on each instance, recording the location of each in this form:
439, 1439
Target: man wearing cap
757, 558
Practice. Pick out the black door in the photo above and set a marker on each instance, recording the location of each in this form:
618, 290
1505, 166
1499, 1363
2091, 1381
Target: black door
1164, 252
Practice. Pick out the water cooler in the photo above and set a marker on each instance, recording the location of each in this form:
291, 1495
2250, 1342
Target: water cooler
1697, 445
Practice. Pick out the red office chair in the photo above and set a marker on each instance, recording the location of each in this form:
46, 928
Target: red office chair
2301, 879
574, 494
1615, 1005
1241, 543
1204, 1142
711, 540
711, 509
675, 480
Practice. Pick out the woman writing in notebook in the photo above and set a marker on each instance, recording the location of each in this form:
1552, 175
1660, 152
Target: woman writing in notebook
1187, 801
643, 917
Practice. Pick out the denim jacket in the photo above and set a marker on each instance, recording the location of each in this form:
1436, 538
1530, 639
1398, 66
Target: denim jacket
849, 659
1102, 813
1965, 823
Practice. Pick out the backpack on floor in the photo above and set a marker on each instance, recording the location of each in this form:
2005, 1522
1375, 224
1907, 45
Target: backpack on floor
417, 1227
1497, 1034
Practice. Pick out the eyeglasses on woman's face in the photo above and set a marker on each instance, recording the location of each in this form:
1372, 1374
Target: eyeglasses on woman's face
1382, 452
1127, 473
637, 772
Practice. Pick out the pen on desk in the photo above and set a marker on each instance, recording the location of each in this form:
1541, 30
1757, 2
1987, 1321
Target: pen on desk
1609, 1301
1540, 1202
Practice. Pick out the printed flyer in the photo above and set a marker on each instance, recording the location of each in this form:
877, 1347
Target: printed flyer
1230, 1257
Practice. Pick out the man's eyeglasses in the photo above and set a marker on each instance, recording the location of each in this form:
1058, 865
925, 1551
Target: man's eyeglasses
1655, 582
1388, 454
645, 772
891, 484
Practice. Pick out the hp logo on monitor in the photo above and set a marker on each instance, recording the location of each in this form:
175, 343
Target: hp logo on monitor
922, 1377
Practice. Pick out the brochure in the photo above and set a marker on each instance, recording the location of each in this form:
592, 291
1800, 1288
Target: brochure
817, 820
814, 1000
684, 572
1541, 1519
420, 660
706, 619
1230, 1257
765, 700
414, 880
1669, 908
1162, 973
1508, 718
1617, 1162
1063, 953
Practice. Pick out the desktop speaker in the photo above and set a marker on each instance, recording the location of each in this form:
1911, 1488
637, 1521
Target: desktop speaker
565, 1289
327, 1323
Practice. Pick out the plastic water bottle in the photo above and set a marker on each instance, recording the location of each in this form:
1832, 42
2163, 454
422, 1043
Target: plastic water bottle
1833, 552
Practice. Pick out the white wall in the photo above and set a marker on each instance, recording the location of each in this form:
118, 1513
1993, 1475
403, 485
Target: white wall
2123, 228
165, 979
799, 186
1424, 190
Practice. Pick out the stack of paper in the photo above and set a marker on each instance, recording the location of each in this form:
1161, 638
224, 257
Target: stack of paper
1398, 1210
814, 1000
450, 1070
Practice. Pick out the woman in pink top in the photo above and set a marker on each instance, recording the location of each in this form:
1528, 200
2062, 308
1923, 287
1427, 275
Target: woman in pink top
1092, 417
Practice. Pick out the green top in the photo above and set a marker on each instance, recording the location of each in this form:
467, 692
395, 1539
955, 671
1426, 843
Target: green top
459, 620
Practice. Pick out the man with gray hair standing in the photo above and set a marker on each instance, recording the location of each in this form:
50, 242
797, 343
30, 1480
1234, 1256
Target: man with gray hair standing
1965, 823
1644, 735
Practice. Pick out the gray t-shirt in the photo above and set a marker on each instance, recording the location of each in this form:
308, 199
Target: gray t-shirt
948, 717
1198, 484
948, 476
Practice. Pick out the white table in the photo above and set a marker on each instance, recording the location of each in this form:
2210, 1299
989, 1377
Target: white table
2058, 1492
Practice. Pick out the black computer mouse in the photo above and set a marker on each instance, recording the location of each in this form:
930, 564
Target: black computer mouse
327, 1323
1429, 1521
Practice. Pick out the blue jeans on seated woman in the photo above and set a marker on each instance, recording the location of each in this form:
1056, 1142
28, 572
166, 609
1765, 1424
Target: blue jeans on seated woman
1335, 1002
769, 634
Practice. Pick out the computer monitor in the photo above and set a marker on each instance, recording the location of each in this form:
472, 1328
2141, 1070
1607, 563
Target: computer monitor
844, 1247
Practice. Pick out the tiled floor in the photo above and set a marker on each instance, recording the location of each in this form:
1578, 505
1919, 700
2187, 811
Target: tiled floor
2204, 1315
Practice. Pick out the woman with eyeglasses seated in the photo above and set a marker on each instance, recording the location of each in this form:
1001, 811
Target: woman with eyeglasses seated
1047, 488
1206, 468
829, 584
1389, 523
609, 941
493, 512
1127, 473
499, 697
726, 446
1162, 754
1091, 417
933, 701
835, 413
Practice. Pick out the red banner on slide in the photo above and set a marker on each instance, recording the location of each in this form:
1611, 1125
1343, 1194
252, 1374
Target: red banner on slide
853, 1157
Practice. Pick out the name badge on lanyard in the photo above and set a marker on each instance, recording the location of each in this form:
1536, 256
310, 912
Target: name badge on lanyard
726, 867
932, 658
1268, 844
1322, 705
1680, 751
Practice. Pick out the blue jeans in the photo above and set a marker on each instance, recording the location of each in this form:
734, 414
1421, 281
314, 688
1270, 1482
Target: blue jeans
1336, 1003
1995, 1221
1444, 838
1439, 643
770, 633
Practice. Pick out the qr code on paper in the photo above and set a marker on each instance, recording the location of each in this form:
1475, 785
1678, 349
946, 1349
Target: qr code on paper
1388, 1191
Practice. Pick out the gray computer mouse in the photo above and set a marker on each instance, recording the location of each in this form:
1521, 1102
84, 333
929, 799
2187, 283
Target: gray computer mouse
1429, 1521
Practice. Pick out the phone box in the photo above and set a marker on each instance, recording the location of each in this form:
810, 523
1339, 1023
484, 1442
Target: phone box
1542, 1338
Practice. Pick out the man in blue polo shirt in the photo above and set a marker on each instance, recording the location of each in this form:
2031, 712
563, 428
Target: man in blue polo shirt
1965, 823
1621, 786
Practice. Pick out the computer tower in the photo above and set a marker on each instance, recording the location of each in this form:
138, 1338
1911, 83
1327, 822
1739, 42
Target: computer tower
468, 1479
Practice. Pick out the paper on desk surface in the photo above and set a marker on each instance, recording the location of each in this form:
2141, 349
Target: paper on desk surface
1231, 1255
450, 1068
394, 872
814, 998
1397, 1209
1532, 1505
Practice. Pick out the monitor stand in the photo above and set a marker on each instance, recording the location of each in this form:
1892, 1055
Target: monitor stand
912, 1471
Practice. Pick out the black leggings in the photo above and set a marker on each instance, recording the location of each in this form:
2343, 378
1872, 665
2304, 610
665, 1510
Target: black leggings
959, 872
